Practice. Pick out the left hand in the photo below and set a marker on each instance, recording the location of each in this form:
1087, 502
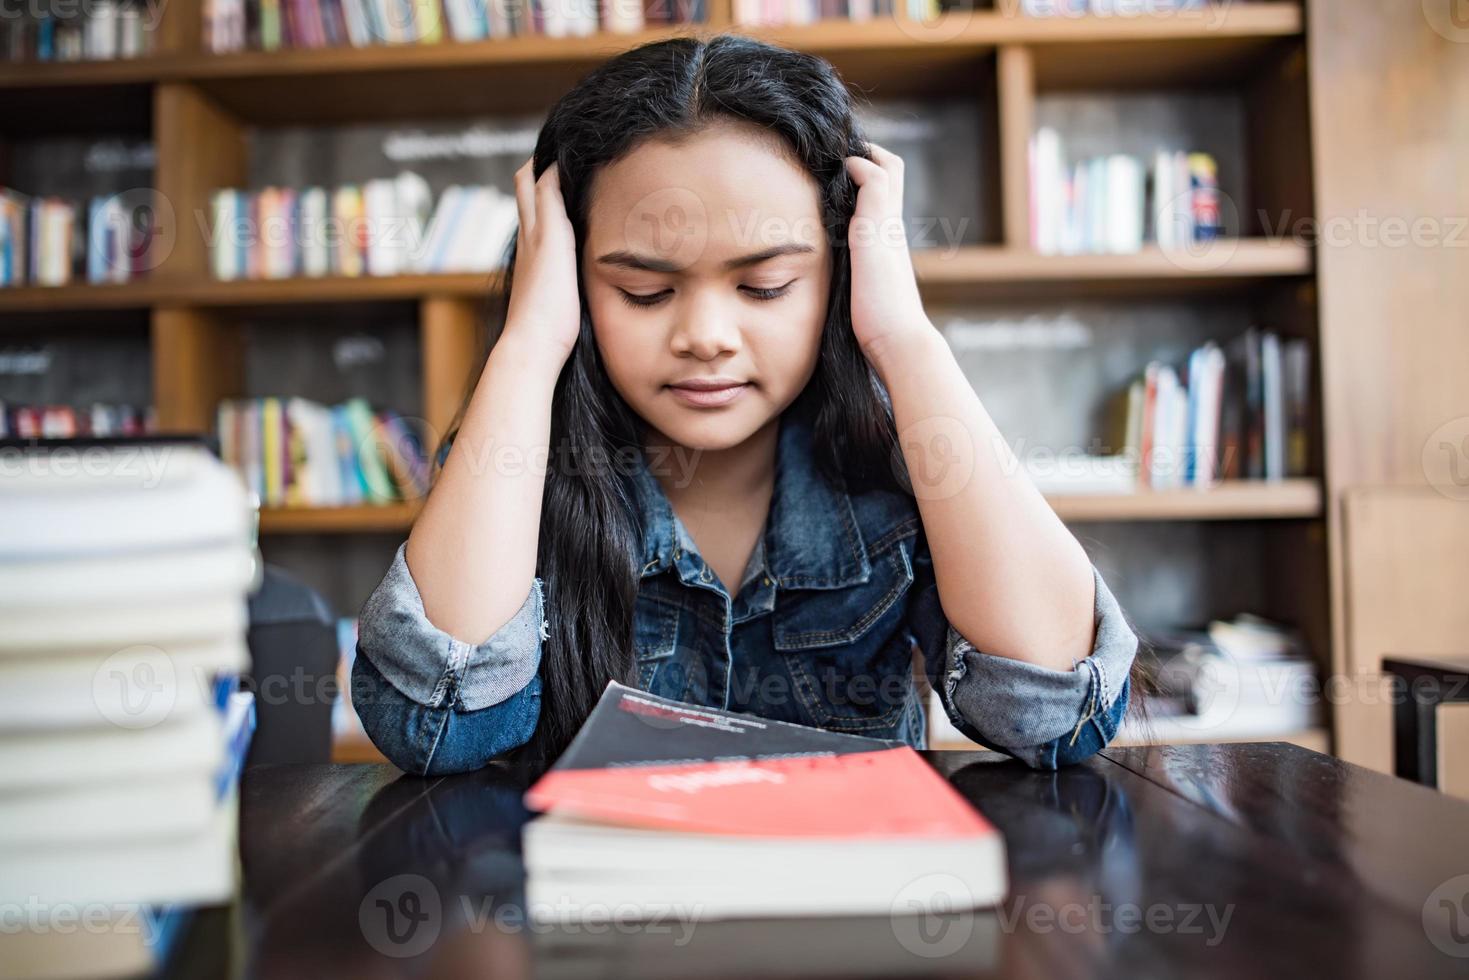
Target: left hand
886, 308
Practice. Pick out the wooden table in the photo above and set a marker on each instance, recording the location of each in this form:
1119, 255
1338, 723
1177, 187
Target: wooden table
1255, 860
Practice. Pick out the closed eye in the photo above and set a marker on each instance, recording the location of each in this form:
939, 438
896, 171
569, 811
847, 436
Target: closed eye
645, 300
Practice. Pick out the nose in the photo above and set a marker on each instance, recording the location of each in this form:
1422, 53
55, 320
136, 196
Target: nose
707, 326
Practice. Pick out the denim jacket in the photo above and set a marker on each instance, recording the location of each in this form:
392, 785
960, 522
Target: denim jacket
820, 631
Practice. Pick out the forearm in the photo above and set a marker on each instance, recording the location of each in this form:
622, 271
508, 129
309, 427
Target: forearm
1012, 578
472, 551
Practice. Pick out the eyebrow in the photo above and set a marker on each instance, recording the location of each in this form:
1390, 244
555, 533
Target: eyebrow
630, 260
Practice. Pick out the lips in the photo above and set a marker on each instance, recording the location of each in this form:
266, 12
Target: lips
708, 392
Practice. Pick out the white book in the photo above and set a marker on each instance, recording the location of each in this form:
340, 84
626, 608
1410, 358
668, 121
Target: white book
1047, 172
80, 582
315, 255
133, 683
1272, 378
1124, 204
196, 868
54, 758
119, 812
384, 228
1205, 437
576, 865
149, 498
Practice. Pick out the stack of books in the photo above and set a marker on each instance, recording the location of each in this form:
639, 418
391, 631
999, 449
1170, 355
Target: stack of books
1106, 8
65, 422
96, 31
384, 227
49, 241
124, 573
1241, 678
269, 25
293, 452
662, 809
1241, 411
1115, 203
774, 13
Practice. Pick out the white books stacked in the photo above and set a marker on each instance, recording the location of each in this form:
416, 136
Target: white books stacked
124, 571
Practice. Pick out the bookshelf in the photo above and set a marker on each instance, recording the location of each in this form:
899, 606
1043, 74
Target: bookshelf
200, 108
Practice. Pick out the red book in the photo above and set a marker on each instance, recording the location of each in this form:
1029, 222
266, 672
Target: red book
665, 808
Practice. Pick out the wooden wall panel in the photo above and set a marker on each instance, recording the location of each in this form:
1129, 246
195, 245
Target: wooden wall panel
1390, 134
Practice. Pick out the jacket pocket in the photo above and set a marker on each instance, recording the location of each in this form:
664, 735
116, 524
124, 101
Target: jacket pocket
847, 650
655, 636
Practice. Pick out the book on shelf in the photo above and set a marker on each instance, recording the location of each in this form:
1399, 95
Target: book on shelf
1117, 202
383, 227
662, 807
271, 25
122, 725
66, 421
776, 13
1103, 8
101, 30
1241, 411
294, 452
51, 240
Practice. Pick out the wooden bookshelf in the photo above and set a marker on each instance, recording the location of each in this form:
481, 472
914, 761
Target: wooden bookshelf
201, 107
1239, 500
1230, 501
365, 519
962, 273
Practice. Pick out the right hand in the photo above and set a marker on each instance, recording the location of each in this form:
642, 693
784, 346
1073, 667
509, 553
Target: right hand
545, 305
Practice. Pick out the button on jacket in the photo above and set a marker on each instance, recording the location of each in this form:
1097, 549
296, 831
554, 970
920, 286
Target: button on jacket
820, 632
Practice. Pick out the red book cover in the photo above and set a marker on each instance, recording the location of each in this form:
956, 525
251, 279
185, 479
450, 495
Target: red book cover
645, 761
888, 793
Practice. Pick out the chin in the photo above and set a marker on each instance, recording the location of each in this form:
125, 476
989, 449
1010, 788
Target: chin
708, 431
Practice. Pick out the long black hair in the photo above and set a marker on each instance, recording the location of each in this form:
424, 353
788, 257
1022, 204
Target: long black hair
590, 538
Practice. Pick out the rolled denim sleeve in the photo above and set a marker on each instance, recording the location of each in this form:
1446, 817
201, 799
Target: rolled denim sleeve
432, 702
1044, 717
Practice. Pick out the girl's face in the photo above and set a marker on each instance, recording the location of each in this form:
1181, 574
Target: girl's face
707, 262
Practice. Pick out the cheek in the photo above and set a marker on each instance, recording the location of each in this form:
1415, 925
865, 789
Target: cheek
628, 347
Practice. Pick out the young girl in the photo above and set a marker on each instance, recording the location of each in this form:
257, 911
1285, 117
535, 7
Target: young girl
719, 451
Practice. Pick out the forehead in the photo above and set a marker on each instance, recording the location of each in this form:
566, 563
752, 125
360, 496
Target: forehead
730, 190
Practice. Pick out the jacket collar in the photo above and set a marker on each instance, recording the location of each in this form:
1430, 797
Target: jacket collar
811, 537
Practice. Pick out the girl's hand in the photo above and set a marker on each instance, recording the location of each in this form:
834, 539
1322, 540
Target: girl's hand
545, 304
886, 308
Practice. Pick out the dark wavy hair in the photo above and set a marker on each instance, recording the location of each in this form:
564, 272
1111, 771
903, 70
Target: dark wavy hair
590, 541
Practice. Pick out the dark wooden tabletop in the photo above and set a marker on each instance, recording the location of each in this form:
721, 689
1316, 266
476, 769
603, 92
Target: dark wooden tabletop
1254, 860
